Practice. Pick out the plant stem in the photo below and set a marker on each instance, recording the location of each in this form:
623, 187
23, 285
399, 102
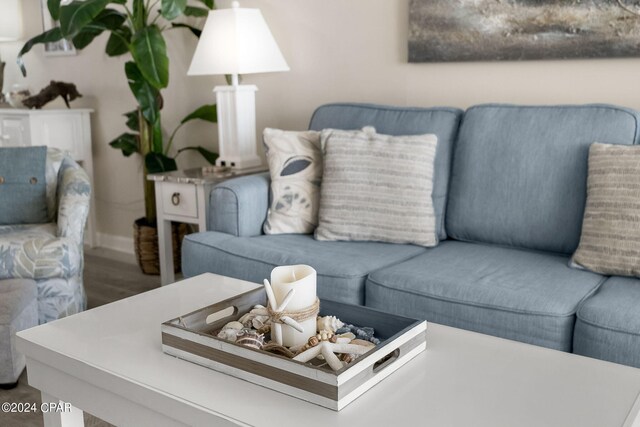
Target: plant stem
166, 151
146, 143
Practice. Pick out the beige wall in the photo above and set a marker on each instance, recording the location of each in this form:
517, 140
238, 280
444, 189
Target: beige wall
338, 50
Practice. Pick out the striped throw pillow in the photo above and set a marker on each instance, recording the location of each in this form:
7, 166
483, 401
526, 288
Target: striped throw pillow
610, 239
377, 187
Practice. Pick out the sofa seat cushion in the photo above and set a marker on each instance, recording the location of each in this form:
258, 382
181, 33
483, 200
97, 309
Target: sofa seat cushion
342, 266
510, 293
608, 324
35, 252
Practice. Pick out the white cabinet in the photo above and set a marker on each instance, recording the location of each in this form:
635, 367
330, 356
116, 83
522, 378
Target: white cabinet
68, 130
14, 131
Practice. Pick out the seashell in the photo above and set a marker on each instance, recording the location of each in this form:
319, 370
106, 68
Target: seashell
363, 343
313, 341
256, 318
249, 338
233, 325
228, 334
349, 335
246, 319
329, 323
259, 322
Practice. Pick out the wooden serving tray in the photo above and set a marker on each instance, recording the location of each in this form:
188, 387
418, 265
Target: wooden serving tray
189, 337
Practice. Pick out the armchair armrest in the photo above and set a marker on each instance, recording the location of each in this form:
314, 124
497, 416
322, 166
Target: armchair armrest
239, 206
73, 195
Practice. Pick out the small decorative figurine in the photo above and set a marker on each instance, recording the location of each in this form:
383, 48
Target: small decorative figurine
329, 323
67, 91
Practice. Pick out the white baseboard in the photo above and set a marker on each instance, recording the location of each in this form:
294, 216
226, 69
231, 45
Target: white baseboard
116, 243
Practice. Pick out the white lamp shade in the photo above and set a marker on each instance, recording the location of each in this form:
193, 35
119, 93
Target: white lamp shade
10, 20
236, 41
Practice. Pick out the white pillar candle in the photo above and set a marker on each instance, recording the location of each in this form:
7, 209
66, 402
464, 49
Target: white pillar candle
302, 278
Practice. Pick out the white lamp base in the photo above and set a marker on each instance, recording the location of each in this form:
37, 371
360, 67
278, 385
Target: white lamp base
237, 126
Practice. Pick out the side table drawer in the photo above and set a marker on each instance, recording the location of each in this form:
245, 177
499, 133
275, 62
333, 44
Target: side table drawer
179, 199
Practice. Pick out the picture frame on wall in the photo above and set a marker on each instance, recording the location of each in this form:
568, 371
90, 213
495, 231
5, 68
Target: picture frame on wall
63, 47
492, 30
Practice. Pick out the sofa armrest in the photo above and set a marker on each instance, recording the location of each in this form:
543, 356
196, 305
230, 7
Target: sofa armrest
73, 196
239, 206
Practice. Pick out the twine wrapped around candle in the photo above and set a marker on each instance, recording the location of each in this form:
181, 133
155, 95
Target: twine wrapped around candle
297, 315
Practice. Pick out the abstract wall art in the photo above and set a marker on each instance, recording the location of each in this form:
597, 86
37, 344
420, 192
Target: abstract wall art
477, 30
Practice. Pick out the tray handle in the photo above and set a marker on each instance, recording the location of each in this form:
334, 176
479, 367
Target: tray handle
386, 361
224, 313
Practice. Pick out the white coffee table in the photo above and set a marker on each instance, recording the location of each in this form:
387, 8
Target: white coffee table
109, 362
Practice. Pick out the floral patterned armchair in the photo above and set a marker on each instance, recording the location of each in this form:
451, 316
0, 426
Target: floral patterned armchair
52, 253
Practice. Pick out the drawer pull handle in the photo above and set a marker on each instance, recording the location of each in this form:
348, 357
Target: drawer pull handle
175, 199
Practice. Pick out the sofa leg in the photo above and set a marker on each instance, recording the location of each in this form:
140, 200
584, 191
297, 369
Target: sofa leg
9, 386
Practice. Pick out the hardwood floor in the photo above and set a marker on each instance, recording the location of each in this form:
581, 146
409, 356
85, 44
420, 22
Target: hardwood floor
108, 276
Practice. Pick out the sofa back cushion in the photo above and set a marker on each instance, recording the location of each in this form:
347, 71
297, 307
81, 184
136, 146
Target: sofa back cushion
441, 121
519, 173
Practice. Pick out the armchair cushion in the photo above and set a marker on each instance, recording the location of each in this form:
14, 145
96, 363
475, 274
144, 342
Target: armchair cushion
22, 185
36, 252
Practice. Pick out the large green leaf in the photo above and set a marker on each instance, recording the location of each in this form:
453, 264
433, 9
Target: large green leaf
208, 3
196, 11
119, 40
133, 122
171, 9
196, 31
149, 51
147, 96
207, 113
108, 19
54, 8
157, 162
77, 14
209, 156
50, 36
128, 143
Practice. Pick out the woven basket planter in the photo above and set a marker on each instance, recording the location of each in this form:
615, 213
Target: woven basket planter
145, 238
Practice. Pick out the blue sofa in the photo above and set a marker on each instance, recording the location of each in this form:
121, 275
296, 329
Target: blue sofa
509, 194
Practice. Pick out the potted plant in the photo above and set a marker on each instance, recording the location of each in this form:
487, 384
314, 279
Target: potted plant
136, 29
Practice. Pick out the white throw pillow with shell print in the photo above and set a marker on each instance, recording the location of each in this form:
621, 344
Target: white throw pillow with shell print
295, 165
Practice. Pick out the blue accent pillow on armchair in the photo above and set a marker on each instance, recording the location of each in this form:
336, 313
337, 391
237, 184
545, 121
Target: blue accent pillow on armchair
23, 198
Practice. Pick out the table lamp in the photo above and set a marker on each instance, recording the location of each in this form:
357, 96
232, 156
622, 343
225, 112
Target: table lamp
10, 29
236, 41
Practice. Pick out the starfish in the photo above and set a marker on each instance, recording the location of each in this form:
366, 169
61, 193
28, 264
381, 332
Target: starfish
276, 326
327, 349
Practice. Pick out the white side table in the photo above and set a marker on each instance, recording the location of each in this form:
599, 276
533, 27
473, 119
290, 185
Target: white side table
183, 196
66, 129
